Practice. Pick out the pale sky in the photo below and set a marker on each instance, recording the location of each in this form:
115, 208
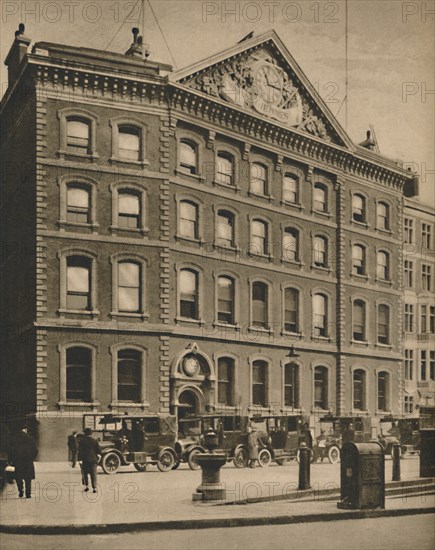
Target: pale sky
390, 60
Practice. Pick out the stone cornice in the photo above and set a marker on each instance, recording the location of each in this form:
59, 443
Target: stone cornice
339, 158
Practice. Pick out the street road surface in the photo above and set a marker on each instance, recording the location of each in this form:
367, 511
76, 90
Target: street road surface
403, 533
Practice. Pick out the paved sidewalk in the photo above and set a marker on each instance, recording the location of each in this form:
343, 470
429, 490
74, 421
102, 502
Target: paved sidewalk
154, 500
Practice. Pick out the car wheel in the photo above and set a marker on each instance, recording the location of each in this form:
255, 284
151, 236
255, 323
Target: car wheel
334, 454
241, 458
140, 467
264, 458
191, 459
166, 461
110, 463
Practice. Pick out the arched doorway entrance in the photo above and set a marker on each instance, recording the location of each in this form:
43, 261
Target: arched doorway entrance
189, 405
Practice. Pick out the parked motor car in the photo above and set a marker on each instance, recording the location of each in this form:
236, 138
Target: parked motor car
283, 435
338, 430
138, 439
231, 430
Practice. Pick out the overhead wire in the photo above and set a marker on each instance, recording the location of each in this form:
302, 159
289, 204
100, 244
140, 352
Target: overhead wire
162, 33
120, 26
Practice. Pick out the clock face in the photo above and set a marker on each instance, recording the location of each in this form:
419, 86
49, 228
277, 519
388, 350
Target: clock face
270, 83
190, 366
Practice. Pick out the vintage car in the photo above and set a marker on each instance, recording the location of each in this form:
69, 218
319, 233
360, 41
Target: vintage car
138, 439
338, 430
284, 435
231, 430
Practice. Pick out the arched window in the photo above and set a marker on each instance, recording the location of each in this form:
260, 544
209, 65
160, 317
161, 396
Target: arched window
188, 291
358, 260
129, 142
226, 300
321, 387
260, 317
129, 375
290, 189
78, 374
290, 245
225, 229
129, 286
358, 208
320, 315
382, 216
259, 383
259, 238
383, 265
359, 321
226, 381
78, 135
291, 310
188, 157
320, 198
291, 385
359, 390
129, 209
225, 168
78, 283
188, 220
258, 179
320, 251
383, 324
78, 203
383, 391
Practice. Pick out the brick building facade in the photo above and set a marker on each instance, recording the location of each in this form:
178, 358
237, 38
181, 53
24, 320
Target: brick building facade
169, 235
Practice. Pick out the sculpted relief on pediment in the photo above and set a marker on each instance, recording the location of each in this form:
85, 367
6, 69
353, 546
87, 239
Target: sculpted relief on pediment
257, 82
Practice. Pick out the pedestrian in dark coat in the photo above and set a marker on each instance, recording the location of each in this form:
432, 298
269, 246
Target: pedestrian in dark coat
22, 454
73, 448
89, 451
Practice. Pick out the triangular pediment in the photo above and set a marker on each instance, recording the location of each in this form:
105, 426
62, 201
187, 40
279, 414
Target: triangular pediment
259, 75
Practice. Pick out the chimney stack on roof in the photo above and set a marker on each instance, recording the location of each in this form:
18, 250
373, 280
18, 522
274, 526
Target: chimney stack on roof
137, 47
16, 54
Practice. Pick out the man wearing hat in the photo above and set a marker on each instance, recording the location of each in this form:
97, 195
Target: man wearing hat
22, 454
89, 451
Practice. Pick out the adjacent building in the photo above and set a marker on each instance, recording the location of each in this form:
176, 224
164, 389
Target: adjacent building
168, 236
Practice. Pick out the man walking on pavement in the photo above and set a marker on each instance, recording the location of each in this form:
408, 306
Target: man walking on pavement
73, 448
89, 451
22, 454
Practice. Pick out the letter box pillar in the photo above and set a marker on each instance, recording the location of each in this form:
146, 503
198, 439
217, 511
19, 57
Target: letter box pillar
362, 476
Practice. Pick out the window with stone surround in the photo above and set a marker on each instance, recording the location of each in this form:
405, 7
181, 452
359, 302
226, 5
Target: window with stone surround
359, 321
226, 368
383, 324
259, 383
78, 374
408, 230
320, 315
291, 386
78, 129
383, 216
291, 310
359, 213
129, 208
321, 387
188, 226
128, 286
129, 377
382, 265
359, 260
359, 390
260, 305
188, 157
258, 184
188, 282
320, 198
290, 245
225, 168
226, 296
78, 203
320, 251
383, 391
225, 229
259, 244
290, 189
